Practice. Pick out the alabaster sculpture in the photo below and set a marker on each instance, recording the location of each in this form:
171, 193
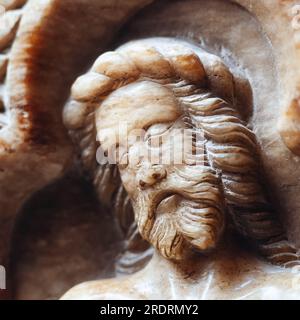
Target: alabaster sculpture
165, 88
217, 218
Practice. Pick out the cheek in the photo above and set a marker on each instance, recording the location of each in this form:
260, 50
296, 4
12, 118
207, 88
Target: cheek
128, 179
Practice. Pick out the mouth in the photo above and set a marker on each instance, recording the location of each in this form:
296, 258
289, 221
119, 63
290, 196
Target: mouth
168, 204
153, 205
175, 206
162, 202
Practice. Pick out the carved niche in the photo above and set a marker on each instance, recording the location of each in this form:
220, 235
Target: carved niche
225, 72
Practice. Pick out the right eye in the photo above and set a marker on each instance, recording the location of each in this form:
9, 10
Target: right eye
157, 130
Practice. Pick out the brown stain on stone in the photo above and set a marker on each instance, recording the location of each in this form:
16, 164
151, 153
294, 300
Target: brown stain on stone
290, 127
40, 124
35, 123
294, 110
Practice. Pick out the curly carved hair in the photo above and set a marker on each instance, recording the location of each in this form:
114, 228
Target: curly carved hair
206, 96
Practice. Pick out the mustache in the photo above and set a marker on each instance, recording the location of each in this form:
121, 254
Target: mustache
197, 218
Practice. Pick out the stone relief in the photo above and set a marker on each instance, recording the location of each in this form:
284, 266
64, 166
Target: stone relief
217, 220
160, 85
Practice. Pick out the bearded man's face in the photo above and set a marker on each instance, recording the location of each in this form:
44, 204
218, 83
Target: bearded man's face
176, 196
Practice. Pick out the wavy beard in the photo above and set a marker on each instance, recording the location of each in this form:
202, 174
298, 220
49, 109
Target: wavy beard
189, 216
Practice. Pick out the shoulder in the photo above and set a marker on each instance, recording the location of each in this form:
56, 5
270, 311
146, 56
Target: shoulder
279, 285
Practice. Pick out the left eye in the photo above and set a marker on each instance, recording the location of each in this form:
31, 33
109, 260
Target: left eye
122, 160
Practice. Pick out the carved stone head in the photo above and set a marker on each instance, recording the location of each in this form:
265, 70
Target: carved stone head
164, 91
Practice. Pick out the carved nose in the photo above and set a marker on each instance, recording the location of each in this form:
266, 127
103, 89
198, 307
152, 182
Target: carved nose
148, 177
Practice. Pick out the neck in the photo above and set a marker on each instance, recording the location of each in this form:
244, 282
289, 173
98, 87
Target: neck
229, 271
225, 260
